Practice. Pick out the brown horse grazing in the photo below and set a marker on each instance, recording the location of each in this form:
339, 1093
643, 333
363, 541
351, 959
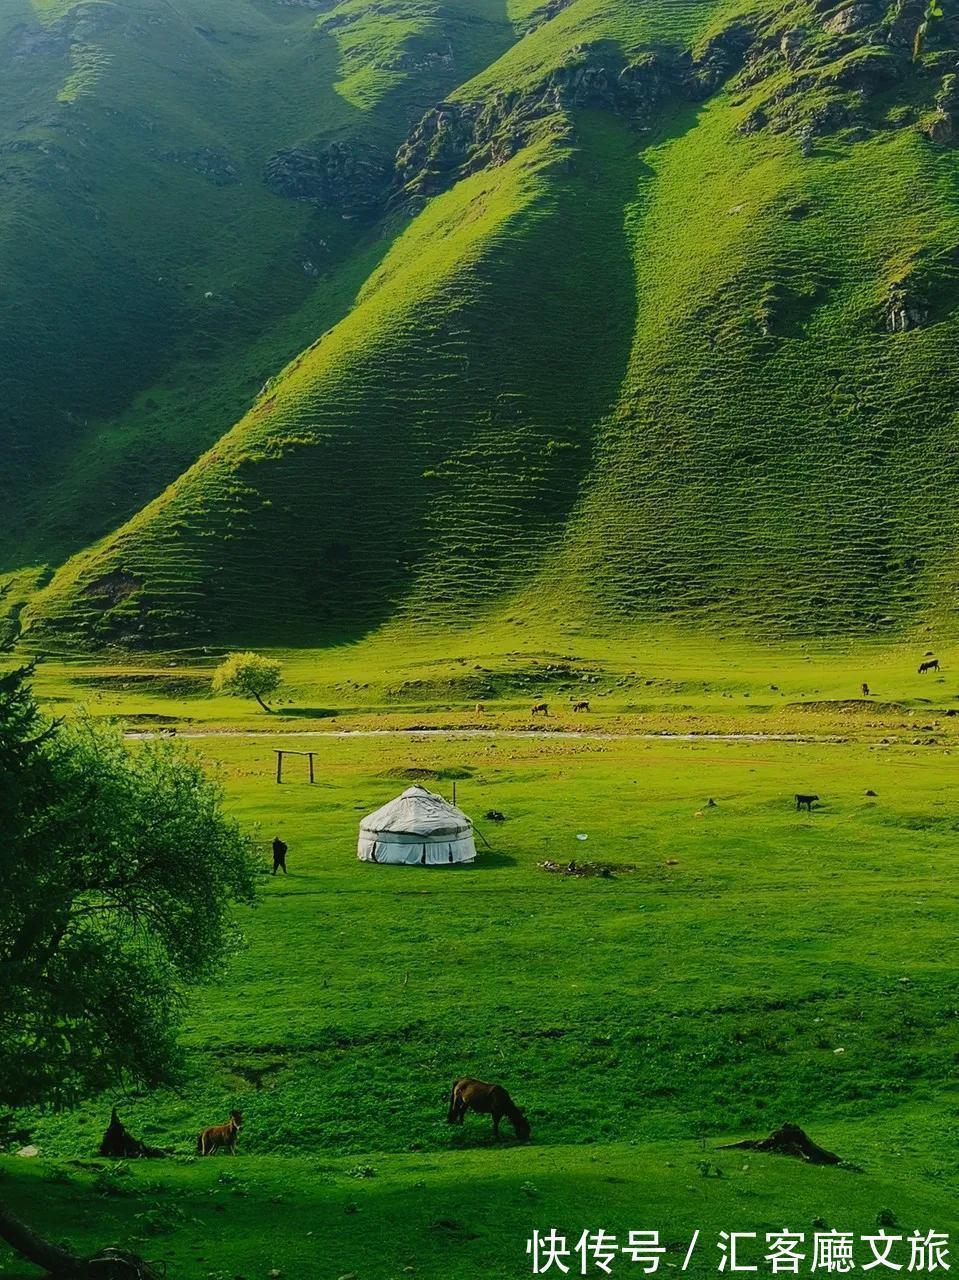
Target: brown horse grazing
539, 709
581, 706
220, 1135
932, 665
468, 1094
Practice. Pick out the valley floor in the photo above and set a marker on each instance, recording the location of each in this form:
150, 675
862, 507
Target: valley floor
744, 965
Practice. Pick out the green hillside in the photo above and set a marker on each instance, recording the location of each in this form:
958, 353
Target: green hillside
653, 315
153, 277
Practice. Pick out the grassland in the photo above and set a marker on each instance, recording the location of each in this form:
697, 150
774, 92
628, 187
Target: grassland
500, 445
743, 966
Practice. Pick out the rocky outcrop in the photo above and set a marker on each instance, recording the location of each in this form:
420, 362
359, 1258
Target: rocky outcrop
415, 58
839, 70
853, 17
215, 166
542, 15
791, 44
943, 128
344, 176
904, 309
840, 61
80, 25
458, 138
867, 72
717, 60
904, 22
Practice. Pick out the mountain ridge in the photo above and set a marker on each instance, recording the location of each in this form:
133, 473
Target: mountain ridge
662, 289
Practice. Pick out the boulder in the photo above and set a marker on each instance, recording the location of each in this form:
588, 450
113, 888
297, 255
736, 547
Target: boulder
903, 309
791, 43
943, 128
853, 18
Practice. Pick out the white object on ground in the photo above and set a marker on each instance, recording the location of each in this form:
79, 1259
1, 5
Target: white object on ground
417, 827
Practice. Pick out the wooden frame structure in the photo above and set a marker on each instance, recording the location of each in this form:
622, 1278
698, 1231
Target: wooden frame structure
285, 751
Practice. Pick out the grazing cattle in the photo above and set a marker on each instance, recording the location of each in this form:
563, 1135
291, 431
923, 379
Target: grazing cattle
539, 709
581, 706
931, 665
220, 1135
865, 689
480, 708
805, 800
468, 1094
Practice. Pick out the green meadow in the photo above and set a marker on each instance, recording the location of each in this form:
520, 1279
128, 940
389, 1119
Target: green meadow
742, 966
466, 356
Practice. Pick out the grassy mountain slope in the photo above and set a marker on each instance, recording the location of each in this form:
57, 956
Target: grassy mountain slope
670, 334
152, 278
403, 410
775, 452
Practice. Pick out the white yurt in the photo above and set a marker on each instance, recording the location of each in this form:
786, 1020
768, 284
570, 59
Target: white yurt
417, 827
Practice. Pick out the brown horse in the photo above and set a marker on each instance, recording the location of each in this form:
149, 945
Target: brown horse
539, 709
220, 1135
581, 706
932, 665
865, 689
468, 1094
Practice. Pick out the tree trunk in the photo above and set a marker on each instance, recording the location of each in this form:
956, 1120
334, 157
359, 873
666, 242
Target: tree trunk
62, 1264
51, 1257
263, 704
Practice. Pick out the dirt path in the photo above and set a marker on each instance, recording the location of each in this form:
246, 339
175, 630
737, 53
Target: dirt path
595, 735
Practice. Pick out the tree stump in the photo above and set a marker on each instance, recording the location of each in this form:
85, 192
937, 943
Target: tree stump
118, 1143
788, 1140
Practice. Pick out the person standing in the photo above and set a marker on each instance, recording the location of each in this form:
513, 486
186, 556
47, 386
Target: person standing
279, 855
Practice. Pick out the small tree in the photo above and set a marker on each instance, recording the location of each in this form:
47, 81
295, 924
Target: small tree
119, 871
248, 675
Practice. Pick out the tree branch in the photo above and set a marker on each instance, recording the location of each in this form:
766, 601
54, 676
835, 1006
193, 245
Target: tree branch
25, 1241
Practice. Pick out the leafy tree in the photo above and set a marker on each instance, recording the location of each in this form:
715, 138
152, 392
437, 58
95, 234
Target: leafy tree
248, 675
119, 871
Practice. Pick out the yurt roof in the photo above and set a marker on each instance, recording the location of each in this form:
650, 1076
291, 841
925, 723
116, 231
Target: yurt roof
417, 812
